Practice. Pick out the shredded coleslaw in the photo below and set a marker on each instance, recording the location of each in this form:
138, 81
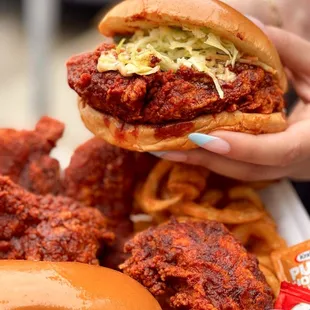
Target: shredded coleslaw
175, 47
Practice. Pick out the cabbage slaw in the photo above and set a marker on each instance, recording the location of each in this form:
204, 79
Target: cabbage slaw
195, 48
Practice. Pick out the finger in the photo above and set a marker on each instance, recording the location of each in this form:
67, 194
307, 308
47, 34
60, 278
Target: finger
293, 49
301, 172
278, 149
302, 86
301, 112
289, 74
227, 167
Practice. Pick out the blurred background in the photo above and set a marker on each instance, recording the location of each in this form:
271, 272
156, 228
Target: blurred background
37, 37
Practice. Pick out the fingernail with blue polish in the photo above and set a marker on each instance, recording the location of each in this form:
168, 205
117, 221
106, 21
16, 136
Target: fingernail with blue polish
210, 143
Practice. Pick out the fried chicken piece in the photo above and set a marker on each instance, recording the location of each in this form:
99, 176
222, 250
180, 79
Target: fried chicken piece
197, 265
103, 176
49, 228
25, 156
165, 97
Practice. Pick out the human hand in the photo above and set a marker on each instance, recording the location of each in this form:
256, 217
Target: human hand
287, 14
269, 156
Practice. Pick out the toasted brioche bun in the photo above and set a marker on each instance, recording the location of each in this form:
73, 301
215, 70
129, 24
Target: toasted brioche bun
148, 138
131, 15
74, 286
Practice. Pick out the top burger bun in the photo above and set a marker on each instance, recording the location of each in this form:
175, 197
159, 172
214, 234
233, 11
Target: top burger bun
44, 285
223, 20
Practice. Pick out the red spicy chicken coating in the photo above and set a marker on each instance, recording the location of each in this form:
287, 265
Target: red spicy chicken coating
167, 96
198, 266
24, 156
49, 228
102, 175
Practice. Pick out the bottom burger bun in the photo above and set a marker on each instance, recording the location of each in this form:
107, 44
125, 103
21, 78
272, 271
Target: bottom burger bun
150, 138
45, 285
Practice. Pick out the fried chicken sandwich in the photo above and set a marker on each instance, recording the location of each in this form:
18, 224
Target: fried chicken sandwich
179, 67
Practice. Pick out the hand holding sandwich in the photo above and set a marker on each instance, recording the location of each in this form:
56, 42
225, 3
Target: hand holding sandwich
269, 156
177, 72
286, 14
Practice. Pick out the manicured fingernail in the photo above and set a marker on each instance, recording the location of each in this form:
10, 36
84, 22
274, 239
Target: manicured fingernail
257, 22
210, 143
173, 156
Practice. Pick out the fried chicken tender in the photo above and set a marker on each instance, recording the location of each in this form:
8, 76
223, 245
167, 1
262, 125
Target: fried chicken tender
24, 156
102, 176
49, 228
197, 265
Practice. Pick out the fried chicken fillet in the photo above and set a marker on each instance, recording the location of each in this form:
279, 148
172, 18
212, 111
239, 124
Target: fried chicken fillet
167, 96
197, 265
25, 156
49, 228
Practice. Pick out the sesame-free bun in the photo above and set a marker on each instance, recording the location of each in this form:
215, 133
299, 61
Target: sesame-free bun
148, 138
131, 15
29, 285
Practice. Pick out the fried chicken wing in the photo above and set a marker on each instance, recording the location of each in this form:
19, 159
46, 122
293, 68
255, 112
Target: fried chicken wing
24, 156
102, 176
197, 265
49, 228
99, 175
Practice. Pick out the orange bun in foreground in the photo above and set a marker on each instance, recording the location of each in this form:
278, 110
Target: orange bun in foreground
26, 285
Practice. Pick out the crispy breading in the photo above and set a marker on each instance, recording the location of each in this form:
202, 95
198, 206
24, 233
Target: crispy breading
165, 97
197, 265
101, 175
25, 156
49, 228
